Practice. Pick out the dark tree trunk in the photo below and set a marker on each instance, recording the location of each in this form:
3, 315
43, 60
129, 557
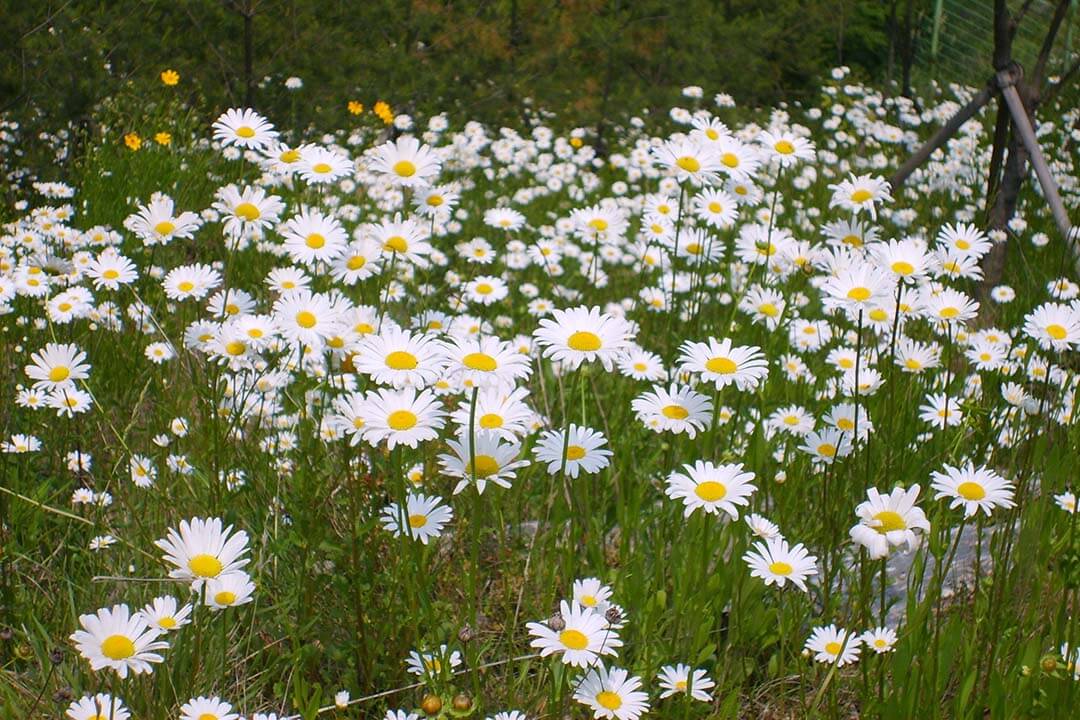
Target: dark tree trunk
1001, 200
249, 56
907, 55
890, 65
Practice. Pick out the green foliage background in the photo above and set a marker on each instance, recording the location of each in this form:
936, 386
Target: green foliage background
479, 58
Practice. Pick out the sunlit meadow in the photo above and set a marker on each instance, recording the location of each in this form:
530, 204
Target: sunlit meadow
418, 418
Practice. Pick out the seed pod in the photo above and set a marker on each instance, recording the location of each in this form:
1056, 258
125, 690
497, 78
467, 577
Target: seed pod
1048, 663
431, 704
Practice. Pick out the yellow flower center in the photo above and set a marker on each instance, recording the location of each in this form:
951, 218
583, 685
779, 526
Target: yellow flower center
574, 639
588, 600
878, 315
833, 648
164, 227
247, 211
484, 289
675, 412
224, 597
110, 274
485, 466
826, 449
315, 241
321, 168
209, 716
710, 491
730, 159
397, 244
479, 361
689, 164
401, 360
859, 294
167, 622
784, 147
949, 312
861, 195
289, 156
852, 240
1056, 331
356, 262
59, 374
903, 268
721, 365
715, 207
306, 319
598, 224
235, 347
609, 700
889, 520
584, 341
971, 490
845, 424
769, 309
417, 521
490, 421
404, 168
962, 244
185, 286
117, 647
575, 452
245, 132
435, 200
205, 566
401, 420
780, 568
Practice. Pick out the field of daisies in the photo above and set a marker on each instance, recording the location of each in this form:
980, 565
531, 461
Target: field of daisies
418, 418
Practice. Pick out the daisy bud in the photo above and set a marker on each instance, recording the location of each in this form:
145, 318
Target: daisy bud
612, 615
431, 704
465, 634
63, 696
556, 622
462, 702
56, 656
1048, 663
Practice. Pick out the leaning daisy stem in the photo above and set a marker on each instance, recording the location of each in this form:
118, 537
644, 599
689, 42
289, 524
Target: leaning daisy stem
224, 652
881, 623
675, 254
474, 566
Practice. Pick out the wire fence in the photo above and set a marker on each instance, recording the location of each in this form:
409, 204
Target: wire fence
956, 38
